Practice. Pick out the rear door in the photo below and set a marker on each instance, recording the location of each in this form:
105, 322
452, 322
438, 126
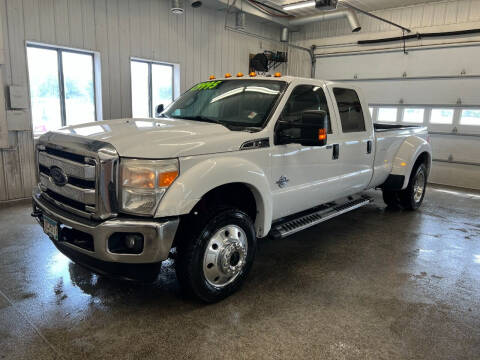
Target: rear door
356, 146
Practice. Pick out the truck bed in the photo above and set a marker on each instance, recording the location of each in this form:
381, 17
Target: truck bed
388, 139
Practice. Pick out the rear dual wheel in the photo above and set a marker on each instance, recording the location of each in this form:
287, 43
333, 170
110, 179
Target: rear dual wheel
412, 197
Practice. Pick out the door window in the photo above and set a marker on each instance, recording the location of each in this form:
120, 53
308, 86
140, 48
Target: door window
350, 109
303, 98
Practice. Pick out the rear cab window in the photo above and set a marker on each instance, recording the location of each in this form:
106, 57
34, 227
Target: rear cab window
350, 110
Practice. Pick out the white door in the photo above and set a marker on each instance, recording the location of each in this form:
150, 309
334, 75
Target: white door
357, 146
303, 176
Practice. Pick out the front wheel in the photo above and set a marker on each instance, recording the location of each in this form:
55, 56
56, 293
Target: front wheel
216, 257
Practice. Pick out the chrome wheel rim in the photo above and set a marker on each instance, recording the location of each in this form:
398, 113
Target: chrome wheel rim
419, 187
225, 256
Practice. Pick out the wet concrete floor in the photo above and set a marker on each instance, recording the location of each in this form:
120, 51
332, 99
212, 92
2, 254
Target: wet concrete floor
371, 284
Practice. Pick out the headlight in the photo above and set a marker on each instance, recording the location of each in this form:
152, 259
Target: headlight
144, 182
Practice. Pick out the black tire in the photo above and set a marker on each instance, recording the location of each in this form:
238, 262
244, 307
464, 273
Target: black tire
412, 197
193, 246
392, 199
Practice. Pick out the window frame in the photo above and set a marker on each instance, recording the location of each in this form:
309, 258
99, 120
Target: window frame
150, 85
380, 107
96, 75
403, 110
442, 125
470, 126
362, 110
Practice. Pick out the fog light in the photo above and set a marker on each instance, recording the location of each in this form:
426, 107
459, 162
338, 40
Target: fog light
126, 243
133, 240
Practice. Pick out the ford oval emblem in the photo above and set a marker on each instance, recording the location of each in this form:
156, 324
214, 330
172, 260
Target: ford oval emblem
58, 176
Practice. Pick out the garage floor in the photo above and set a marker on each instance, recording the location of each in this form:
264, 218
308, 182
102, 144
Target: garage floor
372, 284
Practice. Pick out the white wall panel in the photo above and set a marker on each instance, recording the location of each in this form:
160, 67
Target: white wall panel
336, 36
118, 30
455, 175
418, 63
421, 92
432, 76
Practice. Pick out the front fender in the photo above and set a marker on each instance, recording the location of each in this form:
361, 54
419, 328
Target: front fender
210, 173
407, 155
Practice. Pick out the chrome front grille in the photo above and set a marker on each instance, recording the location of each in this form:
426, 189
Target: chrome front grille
89, 168
72, 168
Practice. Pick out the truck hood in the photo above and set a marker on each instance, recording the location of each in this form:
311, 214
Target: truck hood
161, 138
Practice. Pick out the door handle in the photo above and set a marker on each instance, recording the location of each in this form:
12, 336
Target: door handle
336, 151
369, 146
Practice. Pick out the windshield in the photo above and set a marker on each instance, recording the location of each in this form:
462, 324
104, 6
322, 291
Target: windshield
245, 103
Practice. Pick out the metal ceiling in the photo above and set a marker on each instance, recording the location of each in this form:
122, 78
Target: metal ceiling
368, 5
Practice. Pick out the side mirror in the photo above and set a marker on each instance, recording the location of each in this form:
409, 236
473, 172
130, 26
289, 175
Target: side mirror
159, 109
310, 130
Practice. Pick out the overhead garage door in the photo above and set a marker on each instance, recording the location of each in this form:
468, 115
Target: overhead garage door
436, 86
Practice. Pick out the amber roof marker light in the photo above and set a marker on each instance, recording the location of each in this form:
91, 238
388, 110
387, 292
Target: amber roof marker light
253, 74
277, 74
228, 75
212, 77
239, 74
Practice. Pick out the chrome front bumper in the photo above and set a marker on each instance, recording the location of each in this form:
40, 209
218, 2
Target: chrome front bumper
158, 235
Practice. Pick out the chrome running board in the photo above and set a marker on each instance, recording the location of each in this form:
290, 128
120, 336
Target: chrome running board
305, 220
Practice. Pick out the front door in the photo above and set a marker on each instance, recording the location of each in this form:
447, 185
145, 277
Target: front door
304, 176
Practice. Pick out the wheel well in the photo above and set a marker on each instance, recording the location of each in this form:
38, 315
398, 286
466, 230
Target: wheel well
238, 195
423, 158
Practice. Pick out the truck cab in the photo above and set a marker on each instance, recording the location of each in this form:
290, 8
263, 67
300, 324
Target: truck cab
232, 160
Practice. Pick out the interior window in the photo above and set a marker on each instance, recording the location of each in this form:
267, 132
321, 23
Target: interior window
413, 115
152, 85
387, 114
305, 97
351, 114
441, 116
470, 117
62, 87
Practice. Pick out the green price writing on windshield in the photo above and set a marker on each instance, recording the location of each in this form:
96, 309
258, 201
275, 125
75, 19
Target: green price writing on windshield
207, 85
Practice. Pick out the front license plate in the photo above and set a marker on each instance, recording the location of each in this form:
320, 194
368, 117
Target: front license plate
50, 227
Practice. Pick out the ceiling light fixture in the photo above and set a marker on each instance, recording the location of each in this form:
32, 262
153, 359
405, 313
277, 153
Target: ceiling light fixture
176, 7
299, 5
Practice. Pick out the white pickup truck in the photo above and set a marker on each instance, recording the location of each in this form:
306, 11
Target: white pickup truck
230, 161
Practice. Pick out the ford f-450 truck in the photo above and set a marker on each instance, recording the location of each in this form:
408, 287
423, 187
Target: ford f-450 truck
230, 161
